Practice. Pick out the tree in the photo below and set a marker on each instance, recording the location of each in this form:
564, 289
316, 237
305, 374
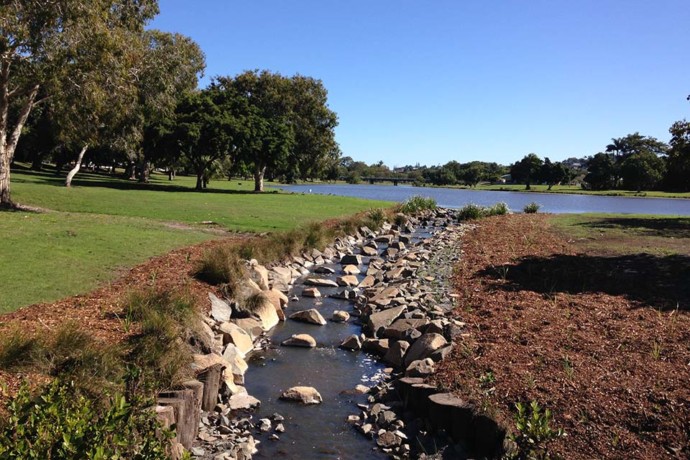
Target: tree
172, 64
526, 170
206, 131
553, 173
678, 160
49, 48
642, 171
601, 172
268, 134
313, 124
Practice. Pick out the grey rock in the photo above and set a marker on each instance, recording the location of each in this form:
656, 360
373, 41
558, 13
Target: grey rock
220, 310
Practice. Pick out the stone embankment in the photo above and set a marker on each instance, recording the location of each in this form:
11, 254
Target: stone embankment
404, 302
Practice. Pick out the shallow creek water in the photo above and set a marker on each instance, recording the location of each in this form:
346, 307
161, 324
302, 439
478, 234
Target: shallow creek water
318, 431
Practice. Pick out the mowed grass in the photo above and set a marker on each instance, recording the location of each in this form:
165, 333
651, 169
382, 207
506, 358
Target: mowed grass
225, 203
574, 189
101, 226
618, 234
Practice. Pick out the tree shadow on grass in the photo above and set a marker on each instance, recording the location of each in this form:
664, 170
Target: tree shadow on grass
89, 179
662, 282
663, 227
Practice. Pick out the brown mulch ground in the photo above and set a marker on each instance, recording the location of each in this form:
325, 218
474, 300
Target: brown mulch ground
612, 365
100, 312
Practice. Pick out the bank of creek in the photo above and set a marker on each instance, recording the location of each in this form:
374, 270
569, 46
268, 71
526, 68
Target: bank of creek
362, 323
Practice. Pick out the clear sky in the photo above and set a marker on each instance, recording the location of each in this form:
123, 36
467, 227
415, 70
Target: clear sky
429, 81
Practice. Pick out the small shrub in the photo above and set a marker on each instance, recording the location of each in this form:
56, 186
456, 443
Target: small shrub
533, 432
531, 208
316, 236
499, 209
158, 349
221, 265
17, 350
470, 212
376, 217
400, 219
61, 422
417, 204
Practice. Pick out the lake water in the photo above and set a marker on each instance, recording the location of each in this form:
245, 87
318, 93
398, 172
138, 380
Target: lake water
550, 202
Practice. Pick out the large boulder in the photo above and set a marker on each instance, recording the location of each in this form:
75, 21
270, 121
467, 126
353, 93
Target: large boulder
251, 326
259, 275
348, 280
384, 296
401, 328
243, 401
311, 292
340, 316
300, 340
367, 282
305, 395
309, 316
351, 259
262, 308
234, 334
351, 270
220, 309
396, 353
320, 282
420, 368
237, 365
202, 363
281, 278
424, 347
352, 343
382, 319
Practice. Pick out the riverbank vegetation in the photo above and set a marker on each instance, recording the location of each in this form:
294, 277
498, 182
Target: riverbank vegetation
588, 316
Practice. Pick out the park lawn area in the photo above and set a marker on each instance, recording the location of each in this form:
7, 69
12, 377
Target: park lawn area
227, 204
574, 189
588, 315
91, 233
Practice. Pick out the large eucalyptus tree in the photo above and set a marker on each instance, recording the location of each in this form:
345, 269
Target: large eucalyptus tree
78, 54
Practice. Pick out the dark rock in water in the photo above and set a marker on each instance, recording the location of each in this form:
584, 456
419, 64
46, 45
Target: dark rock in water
351, 259
352, 343
324, 270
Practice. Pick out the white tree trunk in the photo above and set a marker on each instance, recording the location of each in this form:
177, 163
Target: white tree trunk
259, 178
75, 170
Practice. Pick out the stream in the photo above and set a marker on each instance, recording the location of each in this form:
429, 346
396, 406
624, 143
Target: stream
316, 431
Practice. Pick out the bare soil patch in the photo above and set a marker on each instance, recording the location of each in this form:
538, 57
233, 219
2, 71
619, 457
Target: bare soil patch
599, 336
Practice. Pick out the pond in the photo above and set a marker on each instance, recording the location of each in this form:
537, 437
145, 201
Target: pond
549, 202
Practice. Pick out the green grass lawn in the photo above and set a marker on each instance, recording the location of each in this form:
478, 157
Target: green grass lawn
616, 234
578, 190
102, 225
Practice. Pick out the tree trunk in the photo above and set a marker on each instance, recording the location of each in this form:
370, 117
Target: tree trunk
199, 180
144, 172
8, 143
259, 172
527, 187
171, 174
5, 201
75, 170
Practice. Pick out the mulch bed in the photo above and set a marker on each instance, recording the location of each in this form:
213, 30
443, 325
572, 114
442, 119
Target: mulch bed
613, 368
101, 312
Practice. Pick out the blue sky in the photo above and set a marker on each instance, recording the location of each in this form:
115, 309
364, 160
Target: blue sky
433, 81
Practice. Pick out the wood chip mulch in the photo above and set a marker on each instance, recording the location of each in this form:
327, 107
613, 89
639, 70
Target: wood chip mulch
613, 369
